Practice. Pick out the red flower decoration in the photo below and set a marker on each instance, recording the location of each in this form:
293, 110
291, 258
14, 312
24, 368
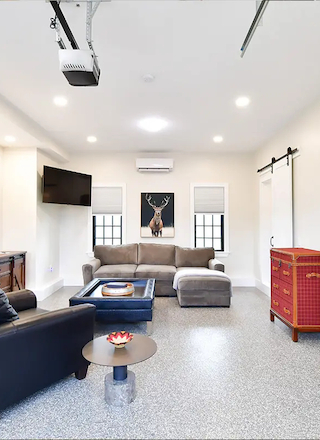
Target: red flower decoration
119, 339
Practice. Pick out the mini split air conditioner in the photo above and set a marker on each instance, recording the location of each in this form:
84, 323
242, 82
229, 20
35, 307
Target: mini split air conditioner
154, 165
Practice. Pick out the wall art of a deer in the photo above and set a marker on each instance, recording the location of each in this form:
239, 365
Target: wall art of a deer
156, 223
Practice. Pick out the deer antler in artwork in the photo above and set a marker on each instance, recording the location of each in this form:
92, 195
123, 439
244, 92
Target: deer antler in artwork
164, 202
149, 199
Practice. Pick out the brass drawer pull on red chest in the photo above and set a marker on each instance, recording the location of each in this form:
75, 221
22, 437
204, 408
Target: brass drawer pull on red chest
286, 292
275, 302
275, 268
286, 311
286, 273
276, 286
313, 274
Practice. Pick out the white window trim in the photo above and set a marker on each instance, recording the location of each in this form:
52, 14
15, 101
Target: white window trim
123, 186
226, 251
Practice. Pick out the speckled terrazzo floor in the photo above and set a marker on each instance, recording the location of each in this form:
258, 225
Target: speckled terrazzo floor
218, 373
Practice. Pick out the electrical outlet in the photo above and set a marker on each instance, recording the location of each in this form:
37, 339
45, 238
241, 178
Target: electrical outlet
50, 268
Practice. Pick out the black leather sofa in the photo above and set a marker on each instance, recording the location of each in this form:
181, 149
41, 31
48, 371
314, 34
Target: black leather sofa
41, 347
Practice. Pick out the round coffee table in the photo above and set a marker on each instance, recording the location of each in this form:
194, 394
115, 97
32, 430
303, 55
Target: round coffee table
119, 385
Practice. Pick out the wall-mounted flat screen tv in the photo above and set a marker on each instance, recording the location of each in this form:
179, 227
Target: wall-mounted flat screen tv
66, 187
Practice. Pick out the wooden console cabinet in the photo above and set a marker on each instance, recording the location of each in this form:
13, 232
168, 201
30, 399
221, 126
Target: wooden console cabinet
12, 271
295, 289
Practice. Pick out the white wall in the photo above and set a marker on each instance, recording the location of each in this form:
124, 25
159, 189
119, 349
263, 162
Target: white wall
47, 237
27, 224
61, 236
109, 168
302, 133
19, 186
75, 243
1, 190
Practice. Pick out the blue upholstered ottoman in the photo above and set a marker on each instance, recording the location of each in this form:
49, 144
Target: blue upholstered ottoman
132, 308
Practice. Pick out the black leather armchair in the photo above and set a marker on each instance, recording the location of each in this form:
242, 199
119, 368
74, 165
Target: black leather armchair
41, 347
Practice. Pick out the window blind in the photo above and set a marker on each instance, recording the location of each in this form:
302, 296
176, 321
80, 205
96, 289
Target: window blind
209, 199
107, 200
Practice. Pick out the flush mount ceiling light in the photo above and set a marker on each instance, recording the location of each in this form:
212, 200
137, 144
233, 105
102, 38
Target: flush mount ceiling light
9, 139
242, 101
60, 101
217, 139
152, 124
91, 139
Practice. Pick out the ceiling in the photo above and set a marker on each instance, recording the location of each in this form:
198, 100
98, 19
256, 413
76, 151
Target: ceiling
193, 50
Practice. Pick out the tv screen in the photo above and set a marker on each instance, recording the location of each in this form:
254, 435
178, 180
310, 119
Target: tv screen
66, 187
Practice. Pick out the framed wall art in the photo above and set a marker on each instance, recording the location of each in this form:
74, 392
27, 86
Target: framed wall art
157, 215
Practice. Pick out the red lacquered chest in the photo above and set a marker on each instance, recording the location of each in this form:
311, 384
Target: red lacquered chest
295, 289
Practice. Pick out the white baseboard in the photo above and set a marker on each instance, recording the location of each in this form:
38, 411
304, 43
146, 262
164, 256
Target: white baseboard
47, 290
243, 282
263, 287
73, 281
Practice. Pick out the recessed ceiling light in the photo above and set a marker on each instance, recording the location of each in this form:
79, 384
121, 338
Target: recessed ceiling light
242, 101
217, 139
60, 101
152, 124
91, 139
9, 138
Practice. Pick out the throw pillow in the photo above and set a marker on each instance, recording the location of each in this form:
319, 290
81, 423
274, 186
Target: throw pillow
7, 312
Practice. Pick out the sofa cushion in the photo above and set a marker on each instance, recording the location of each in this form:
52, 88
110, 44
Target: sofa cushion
151, 253
188, 257
116, 271
123, 254
157, 271
7, 312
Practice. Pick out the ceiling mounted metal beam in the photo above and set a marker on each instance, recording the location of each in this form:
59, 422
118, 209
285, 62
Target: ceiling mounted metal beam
92, 6
254, 24
64, 24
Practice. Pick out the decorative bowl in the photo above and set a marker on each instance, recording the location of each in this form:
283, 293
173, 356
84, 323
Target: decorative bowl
119, 339
117, 289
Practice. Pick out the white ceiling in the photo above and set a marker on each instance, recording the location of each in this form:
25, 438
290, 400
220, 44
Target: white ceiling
192, 48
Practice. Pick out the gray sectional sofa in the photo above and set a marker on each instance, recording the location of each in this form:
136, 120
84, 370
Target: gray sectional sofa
148, 260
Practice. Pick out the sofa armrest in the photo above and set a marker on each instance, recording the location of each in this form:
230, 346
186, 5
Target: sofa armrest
89, 269
68, 317
215, 264
22, 300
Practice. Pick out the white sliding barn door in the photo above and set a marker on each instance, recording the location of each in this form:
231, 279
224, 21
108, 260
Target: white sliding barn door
276, 215
282, 216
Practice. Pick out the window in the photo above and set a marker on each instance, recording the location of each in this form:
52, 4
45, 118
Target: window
209, 231
209, 212
107, 229
107, 215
